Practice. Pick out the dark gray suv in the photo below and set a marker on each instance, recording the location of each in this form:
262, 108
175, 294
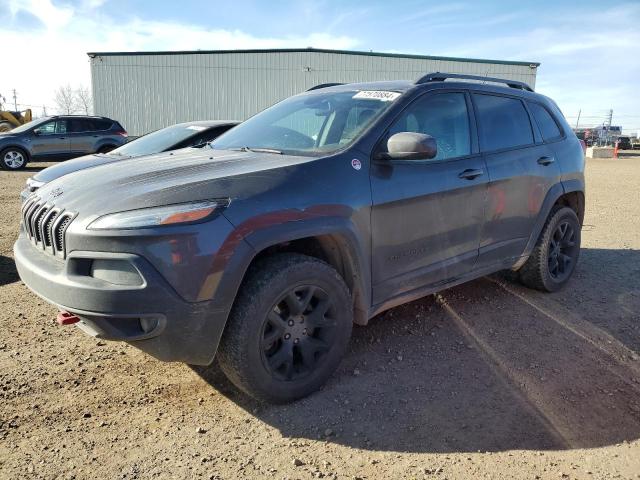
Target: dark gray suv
322, 211
59, 138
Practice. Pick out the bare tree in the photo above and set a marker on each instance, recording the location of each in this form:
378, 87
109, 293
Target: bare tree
83, 100
66, 100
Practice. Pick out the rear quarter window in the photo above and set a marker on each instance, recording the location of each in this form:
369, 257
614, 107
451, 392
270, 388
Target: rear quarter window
99, 125
546, 123
503, 122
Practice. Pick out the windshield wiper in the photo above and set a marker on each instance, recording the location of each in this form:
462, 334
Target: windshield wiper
257, 150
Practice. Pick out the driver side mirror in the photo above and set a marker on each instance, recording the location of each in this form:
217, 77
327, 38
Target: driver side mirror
410, 146
37, 132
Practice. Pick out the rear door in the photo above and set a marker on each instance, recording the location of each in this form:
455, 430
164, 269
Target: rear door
51, 140
427, 214
521, 170
82, 136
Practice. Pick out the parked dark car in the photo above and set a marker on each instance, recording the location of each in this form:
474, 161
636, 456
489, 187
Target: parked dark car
624, 143
319, 212
59, 138
181, 135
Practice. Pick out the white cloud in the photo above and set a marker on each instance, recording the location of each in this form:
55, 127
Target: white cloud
55, 55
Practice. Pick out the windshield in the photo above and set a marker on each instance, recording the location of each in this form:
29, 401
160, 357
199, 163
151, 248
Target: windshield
158, 141
28, 125
309, 124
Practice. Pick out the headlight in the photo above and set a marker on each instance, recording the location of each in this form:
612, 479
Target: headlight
159, 216
33, 185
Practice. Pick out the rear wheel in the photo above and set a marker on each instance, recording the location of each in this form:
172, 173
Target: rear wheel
106, 148
13, 159
5, 127
556, 253
288, 330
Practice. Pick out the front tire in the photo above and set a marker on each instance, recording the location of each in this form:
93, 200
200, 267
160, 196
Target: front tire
288, 329
13, 159
556, 253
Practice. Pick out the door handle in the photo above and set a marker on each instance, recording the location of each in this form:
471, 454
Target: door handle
470, 173
546, 160
62, 138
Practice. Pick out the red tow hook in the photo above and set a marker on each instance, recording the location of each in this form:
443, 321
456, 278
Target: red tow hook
66, 318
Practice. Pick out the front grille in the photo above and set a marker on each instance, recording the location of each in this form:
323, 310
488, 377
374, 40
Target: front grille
45, 225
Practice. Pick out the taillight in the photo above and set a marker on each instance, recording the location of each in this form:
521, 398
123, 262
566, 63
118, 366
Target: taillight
122, 133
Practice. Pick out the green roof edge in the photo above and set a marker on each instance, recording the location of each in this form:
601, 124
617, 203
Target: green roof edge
317, 50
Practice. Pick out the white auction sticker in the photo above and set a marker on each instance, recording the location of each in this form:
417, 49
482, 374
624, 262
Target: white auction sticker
197, 128
381, 95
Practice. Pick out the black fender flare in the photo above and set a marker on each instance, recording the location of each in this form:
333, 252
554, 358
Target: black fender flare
255, 241
553, 194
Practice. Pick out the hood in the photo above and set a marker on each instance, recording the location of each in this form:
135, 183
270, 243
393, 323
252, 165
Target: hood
70, 166
7, 135
166, 178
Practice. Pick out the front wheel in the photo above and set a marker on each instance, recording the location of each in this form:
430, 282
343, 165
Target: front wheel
556, 253
288, 330
12, 159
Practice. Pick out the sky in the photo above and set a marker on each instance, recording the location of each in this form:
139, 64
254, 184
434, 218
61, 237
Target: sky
589, 51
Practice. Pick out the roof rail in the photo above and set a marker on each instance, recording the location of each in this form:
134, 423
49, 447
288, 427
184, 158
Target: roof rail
324, 85
440, 77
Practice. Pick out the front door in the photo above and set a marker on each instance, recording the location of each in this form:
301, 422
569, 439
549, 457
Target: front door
50, 140
427, 214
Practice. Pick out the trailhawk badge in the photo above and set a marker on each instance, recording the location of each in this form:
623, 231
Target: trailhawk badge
356, 164
56, 192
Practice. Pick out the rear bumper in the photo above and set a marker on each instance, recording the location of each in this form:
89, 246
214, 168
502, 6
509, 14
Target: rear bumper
131, 302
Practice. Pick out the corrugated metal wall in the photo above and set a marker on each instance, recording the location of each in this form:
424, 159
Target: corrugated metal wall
147, 92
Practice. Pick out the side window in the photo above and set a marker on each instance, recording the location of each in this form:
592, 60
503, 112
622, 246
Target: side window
546, 123
48, 128
100, 125
444, 116
503, 122
54, 127
78, 125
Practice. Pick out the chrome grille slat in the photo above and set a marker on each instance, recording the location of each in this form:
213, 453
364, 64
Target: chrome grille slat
45, 229
59, 231
35, 221
27, 217
46, 225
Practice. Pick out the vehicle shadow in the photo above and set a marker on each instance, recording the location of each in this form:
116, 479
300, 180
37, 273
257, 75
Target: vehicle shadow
37, 166
8, 272
487, 366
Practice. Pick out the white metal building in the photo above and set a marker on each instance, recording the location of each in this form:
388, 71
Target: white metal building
150, 90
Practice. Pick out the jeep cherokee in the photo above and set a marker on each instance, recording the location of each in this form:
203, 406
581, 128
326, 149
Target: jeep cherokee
321, 211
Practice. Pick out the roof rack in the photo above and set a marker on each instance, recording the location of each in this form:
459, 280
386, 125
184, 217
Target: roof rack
324, 85
441, 77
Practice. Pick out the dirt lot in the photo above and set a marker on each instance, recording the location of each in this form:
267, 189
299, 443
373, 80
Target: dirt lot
486, 380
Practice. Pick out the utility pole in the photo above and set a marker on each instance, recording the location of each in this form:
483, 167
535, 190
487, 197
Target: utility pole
15, 100
578, 120
44, 111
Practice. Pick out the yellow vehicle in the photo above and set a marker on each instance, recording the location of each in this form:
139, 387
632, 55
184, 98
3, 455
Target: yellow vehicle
11, 120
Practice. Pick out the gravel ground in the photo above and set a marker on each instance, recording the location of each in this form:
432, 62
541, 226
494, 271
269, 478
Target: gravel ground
486, 380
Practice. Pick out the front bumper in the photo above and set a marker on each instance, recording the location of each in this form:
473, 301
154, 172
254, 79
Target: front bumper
134, 303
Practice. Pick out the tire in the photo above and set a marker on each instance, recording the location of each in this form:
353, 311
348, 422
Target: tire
5, 127
13, 158
106, 148
556, 253
274, 348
